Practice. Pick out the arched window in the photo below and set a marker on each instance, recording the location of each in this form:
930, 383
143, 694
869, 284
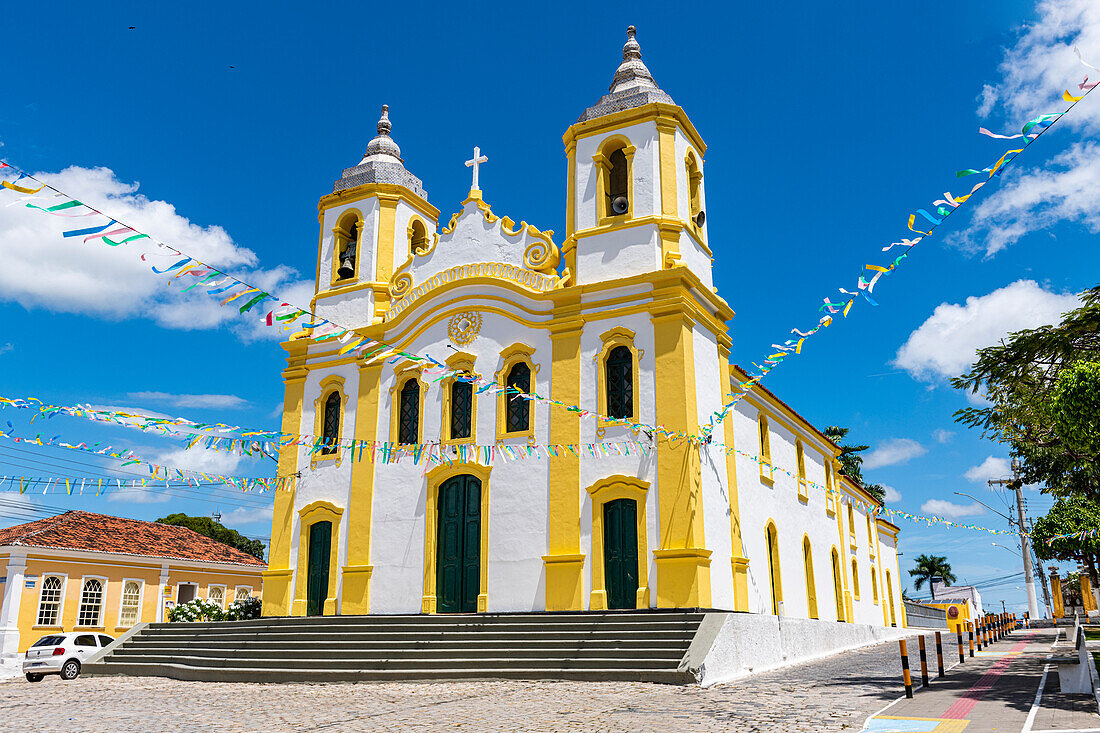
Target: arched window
418, 237
346, 251
830, 495
408, 430
620, 383
331, 427
855, 579
800, 462
462, 409
91, 600
695, 179
613, 164
811, 587
519, 408
890, 598
838, 587
244, 592
49, 601
851, 523
617, 184
216, 594
131, 602
874, 585
772, 538
765, 448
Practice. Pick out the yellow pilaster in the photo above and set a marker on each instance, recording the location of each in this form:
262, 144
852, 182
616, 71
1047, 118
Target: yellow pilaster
1056, 593
279, 575
682, 562
670, 231
740, 563
564, 563
357, 573
387, 227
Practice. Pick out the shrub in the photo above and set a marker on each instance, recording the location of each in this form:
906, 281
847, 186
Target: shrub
243, 610
199, 609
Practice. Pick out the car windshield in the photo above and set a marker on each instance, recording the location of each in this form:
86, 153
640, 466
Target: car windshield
49, 641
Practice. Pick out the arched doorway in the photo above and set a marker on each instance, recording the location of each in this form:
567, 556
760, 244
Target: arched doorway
772, 537
890, 595
811, 586
320, 546
458, 545
838, 587
620, 552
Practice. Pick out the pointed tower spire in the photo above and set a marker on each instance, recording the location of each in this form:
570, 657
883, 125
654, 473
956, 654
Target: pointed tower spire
381, 163
632, 86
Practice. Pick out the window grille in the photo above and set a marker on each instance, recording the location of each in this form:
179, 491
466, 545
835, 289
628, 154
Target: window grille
518, 418
462, 400
331, 427
49, 602
620, 383
243, 593
91, 599
216, 594
409, 428
131, 599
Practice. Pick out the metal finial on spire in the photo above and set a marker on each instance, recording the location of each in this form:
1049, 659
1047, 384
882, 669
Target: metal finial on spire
631, 49
384, 126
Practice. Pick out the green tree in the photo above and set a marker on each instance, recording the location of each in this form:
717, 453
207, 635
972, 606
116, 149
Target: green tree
1043, 386
928, 567
851, 463
1069, 515
208, 527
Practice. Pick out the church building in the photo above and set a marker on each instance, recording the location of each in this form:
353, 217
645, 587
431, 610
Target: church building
618, 317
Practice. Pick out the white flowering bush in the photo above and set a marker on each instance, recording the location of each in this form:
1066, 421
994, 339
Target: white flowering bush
199, 609
243, 609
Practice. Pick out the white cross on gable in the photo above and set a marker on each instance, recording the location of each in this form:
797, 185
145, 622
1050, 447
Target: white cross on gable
477, 160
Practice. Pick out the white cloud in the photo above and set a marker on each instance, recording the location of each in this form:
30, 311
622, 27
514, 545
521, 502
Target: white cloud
892, 495
201, 459
945, 344
893, 451
249, 515
151, 494
948, 509
1067, 188
1041, 63
5, 348
990, 468
943, 436
224, 401
44, 270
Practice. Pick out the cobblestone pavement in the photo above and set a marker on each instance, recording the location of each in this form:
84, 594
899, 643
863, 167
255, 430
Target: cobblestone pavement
834, 694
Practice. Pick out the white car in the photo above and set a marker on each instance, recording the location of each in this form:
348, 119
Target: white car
62, 654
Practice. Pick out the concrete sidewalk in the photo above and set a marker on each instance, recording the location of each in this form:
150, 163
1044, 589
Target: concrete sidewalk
996, 690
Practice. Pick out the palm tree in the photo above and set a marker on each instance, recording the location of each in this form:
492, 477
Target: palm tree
929, 567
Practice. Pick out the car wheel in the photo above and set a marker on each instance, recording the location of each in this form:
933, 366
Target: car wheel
70, 670
32, 677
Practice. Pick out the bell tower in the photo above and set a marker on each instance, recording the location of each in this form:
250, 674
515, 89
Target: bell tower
377, 213
636, 200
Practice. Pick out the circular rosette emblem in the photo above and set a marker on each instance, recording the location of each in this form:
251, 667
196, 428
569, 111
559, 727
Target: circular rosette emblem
463, 328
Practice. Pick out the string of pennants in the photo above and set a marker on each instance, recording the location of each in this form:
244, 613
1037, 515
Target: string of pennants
1083, 534
872, 273
99, 485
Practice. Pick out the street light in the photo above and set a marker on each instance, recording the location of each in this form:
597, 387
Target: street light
1010, 519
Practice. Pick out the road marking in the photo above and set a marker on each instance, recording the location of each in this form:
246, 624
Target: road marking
965, 704
1038, 701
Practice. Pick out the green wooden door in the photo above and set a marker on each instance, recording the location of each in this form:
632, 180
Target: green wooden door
620, 552
320, 543
458, 546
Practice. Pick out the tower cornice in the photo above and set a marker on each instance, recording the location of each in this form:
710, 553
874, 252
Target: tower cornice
658, 112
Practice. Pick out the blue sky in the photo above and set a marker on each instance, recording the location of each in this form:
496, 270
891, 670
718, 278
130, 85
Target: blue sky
827, 125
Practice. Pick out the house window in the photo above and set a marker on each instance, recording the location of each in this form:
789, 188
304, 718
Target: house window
462, 401
409, 425
91, 602
855, 579
331, 428
519, 409
244, 592
765, 448
619, 375
49, 601
216, 594
131, 601
800, 460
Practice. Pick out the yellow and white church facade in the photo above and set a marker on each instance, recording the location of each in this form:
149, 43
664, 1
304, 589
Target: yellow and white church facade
621, 318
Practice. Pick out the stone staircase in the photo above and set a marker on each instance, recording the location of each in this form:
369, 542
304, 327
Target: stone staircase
643, 646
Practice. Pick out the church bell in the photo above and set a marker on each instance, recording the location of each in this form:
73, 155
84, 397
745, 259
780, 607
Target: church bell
347, 264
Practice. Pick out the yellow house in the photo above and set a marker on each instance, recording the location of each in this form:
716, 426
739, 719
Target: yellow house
95, 572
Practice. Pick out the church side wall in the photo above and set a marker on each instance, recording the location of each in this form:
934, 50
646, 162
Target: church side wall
626, 252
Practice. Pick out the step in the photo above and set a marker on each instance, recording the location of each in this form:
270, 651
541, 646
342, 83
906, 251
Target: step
672, 656
268, 674
445, 618
140, 644
405, 627
407, 638
471, 665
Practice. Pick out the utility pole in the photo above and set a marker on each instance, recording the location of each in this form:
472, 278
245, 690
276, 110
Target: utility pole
1042, 575
1025, 541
